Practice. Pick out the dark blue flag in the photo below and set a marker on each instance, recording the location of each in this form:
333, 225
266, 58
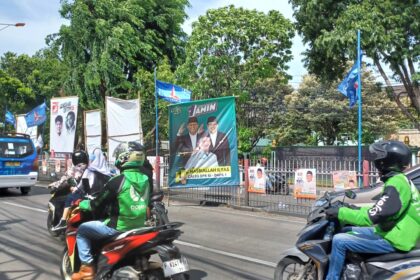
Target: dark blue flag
349, 85
37, 116
172, 93
10, 118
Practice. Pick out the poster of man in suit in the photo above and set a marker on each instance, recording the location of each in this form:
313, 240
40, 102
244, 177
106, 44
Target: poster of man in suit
203, 143
186, 143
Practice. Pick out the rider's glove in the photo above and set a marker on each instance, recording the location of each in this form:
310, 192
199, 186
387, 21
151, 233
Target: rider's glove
351, 206
332, 213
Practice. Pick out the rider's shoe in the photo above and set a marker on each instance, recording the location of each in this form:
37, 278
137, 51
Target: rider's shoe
86, 272
60, 226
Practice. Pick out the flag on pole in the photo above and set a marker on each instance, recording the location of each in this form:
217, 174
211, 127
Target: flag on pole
37, 116
172, 93
349, 85
10, 118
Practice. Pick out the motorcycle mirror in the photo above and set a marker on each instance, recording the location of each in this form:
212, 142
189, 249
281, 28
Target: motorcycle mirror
350, 194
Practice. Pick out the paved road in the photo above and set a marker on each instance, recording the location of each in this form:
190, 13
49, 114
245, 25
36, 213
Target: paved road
219, 242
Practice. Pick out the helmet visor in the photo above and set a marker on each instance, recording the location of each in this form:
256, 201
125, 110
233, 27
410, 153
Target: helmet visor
378, 149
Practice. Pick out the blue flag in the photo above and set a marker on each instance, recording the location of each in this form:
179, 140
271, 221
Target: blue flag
172, 93
349, 85
37, 116
10, 118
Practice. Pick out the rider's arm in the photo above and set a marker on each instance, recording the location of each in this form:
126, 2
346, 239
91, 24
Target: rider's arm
106, 196
386, 207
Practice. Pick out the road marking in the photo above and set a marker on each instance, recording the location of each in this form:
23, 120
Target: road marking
236, 256
26, 207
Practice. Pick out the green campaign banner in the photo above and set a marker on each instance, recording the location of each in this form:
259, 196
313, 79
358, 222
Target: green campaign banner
203, 143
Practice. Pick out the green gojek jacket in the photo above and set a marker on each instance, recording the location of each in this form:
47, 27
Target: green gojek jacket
396, 215
125, 199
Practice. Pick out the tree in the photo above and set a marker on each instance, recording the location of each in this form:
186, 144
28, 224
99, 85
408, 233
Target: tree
317, 112
232, 52
15, 95
108, 41
390, 35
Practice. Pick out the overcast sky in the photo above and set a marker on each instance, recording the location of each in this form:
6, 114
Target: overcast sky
42, 18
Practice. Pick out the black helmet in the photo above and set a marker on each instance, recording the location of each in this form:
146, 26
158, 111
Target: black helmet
390, 156
129, 151
80, 157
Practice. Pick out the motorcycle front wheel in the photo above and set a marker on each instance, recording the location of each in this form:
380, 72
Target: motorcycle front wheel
290, 269
50, 225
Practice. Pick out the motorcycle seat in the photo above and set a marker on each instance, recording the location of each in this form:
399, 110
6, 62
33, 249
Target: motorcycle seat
136, 231
395, 256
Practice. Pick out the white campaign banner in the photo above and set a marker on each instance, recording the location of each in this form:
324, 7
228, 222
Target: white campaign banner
63, 124
123, 123
22, 128
93, 130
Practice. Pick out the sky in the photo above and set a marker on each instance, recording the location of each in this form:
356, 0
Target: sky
41, 18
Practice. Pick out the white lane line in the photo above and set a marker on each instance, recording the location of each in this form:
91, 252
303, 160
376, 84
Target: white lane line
26, 207
236, 256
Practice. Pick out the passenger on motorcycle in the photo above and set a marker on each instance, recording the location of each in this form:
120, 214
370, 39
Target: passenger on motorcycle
94, 177
127, 198
395, 216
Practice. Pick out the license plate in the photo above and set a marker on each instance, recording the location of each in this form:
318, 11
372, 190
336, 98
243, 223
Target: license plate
12, 163
173, 267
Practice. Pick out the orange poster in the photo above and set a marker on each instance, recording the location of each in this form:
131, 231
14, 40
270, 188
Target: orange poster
305, 183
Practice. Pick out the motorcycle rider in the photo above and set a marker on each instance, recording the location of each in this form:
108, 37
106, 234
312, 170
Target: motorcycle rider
395, 216
95, 175
127, 198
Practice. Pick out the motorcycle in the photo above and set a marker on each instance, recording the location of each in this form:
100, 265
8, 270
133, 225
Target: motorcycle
276, 184
59, 191
159, 214
127, 255
309, 258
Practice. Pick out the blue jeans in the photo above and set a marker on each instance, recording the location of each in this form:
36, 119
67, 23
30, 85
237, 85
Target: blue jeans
91, 232
359, 240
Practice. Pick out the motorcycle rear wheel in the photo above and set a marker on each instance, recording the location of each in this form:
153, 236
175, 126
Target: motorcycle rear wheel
289, 269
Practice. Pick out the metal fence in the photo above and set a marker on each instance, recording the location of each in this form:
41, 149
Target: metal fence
278, 201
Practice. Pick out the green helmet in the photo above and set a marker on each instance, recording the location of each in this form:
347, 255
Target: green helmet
129, 152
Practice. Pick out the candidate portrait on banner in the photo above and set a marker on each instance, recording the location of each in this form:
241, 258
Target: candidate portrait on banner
203, 143
63, 124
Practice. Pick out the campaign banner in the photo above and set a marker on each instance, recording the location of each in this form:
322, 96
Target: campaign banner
63, 124
344, 180
305, 183
203, 143
93, 130
21, 127
257, 179
123, 123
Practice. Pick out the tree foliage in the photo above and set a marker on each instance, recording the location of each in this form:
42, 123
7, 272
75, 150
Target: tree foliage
109, 41
234, 52
317, 112
27, 81
389, 35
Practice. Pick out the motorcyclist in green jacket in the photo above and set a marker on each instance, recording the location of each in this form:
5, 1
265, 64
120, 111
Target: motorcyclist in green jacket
126, 198
393, 223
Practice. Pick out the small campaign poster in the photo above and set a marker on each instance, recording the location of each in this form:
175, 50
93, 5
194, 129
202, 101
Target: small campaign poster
257, 180
344, 180
305, 183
